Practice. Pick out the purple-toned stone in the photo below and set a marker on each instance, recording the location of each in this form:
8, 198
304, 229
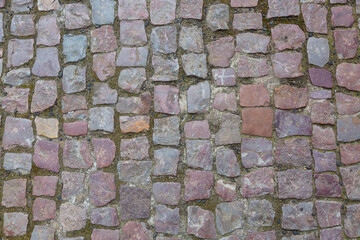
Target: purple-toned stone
197, 129
72, 217
351, 179
321, 94
20, 51
166, 160
328, 213
348, 129
17, 132
198, 97
191, 9
346, 42
14, 193
331, 234
348, 75
221, 51
227, 163
133, 33
287, 97
47, 5
198, 184
260, 213
341, 16
167, 220
134, 203
287, 36
166, 99
77, 15
103, 39
132, 79
293, 152
166, 131
135, 148
269, 235
323, 138
256, 152
71, 103
244, 3
258, 183
15, 224
226, 191
136, 105
43, 209
254, 95
349, 153
132, 57
298, 217
76, 154
72, 184
201, 223
290, 124
230, 216
167, 192
283, 8
217, 17
15, 100
164, 40
162, 11
45, 95
247, 21
315, 16
48, 31
104, 94
104, 65
327, 185
252, 43
224, 76
352, 221
22, 25
323, 113
347, 104
46, 155
325, 161
46, 62
252, 67
132, 9
321, 77
229, 132
100, 234
102, 188
137, 172
135, 231
295, 183
106, 216
287, 64
101, 118
199, 154
225, 101
44, 185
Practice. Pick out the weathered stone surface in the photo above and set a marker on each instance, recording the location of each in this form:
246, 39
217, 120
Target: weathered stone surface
101, 118
325, 161
73, 184
327, 185
165, 69
254, 95
15, 224
350, 177
166, 99
323, 138
348, 129
198, 184
17, 77
20, 51
104, 65
102, 11
230, 216
252, 67
102, 188
135, 148
103, 94
133, 33
106, 216
74, 79
293, 152
132, 57
46, 155
103, 39
191, 39
257, 121
195, 65
166, 131
321, 77
17, 132
76, 154
22, 25
135, 171
229, 132
341, 16
197, 129
164, 40
167, 220
260, 213
167, 192
256, 152
162, 11
328, 213
135, 230
72, 217
77, 15
44, 185
298, 217
252, 43
283, 8
201, 223
287, 36
315, 17
14, 193
318, 51
287, 97
134, 124
247, 21
48, 30
134, 203
244, 3
323, 113
221, 51
104, 150
321, 94
349, 153
287, 64
225, 101
46, 5
43, 232
132, 79
166, 160
99, 234
45, 95
191, 9
74, 47
224, 76
71, 103
269, 235
198, 97
217, 17
331, 233
258, 183
227, 163
43, 209
347, 104
226, 191
136, 105
15, 100
47, 127
132, 9
199, 154
295, 183
348, 75
352, 221
290, 124
346, 43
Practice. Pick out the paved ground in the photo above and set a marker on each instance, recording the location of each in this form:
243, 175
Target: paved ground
166, 119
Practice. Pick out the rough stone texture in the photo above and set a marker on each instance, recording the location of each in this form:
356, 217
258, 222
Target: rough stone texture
217, 17
293, 152
258, 183
167, 220
341, 16
221, 51
163, 39
350, 178
348, 129
76, 154
318, 51
167, 192
195, 65
201, 223
17, 132
102, 11
229, 132
132, 79
166, 160
351, 221
198, 154
328, 213
162, 11
44, 185
325, 161
256, 152
74, 47
323, 113
198, 102
257, 121
283, 8
45, 95
44, 209
135, 230
321, 77
14, 193
315, 17
348, 153
166, 99
77, 15
104, 65
323, 138
134, 203
105, 216
346, 43
135, 171
15, 224
260, 213
46, 155
135, 9
245, 43
295, 183
226, 191
347, 75
72, 217
290, 124
230, 216
254, 95
135, 148
198, 184
101, 118
20, 51
287, 97
287, 65
287, 36
252, 67
298, 217
166, 131
327, 185
227, 163
16, 100
247, 21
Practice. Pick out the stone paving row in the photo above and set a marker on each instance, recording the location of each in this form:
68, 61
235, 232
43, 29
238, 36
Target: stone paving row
180, 119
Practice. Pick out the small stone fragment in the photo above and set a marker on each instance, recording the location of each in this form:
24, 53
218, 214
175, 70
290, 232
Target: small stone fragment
245, 42
15, 224
134, 124
221, 51
47, 127
283, 8
254, 95
17, 132
104, 65
106, 216
164, 40
230, 216
247, 21
293, 152
315, 16
197, 129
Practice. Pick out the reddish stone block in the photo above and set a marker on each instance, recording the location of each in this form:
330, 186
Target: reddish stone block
325, 161
225, 101
351, 178
352, 221
224, 76
270, 235
257, 121
287, 64
287, 97
135, 148
106, 216
287, 36
134, 124
72, 217
102, 234
14, 193
323, 138
132, 9
283, 8
104, 150
77, 15
258, 183
135, 230
244, 3
79, 128
347, 75
323, 113
247, 21
226, 191
46, 155
331, 234
193, 189
321, 77
76, 154
162, 11
197, 129
167, 192
327, 185
191, 9
17, 132
104, 65
72, 184
166, 99
346, 42
134, 203
15, 224
44, 185
44, 209
221, 51
341, 16
167, 220
294, 152
328, 213
245, 43
201, 223
295, 183
103, 39
102, 188
315, 17
254, 95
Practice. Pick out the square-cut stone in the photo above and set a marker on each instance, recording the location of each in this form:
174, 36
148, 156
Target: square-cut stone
287, 64
167, 192
229, 132
347, 75
191, 39
20, 5
352, 221
291, 124
245, 43
166, 131
134, 203
218, 16
44, 185
247, 21
166, 99
19, 162
198, 97
74, 79
48, 30
164, 40
165, 69
225, 101
45, 95
318, 51
346, 42
295, 183
20, 51
230, 216
198, 184
103, 11
135, 172
103, 39
22, 25
76, 154
293, 152
298, 216
287, 36
349, 153
132, 9
102, 189
135, 148
258, 183
15, 224
167, 220
101, 118
132, 57
43, 232
256, 152
166, 160
257, 121
221, 51
224, 76
328, 213
287, 97
350, 177
325, 161
73, 184
191, 9
323, 113
43, 209
105, 216
136, 105
47, 127
104, 94
200, 223
17, 132
14, 193
16, 100
226, 163
72, 217
283, 8
132, 79
74, 47
46, 155
327, 185
341, 16
133, 33
254, 95
199, 154
77, 15
252, 67
47, 5
104, 65
46, 62
315, 16
162, 11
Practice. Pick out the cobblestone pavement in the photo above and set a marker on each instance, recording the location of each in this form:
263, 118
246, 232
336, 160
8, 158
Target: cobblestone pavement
180, 119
